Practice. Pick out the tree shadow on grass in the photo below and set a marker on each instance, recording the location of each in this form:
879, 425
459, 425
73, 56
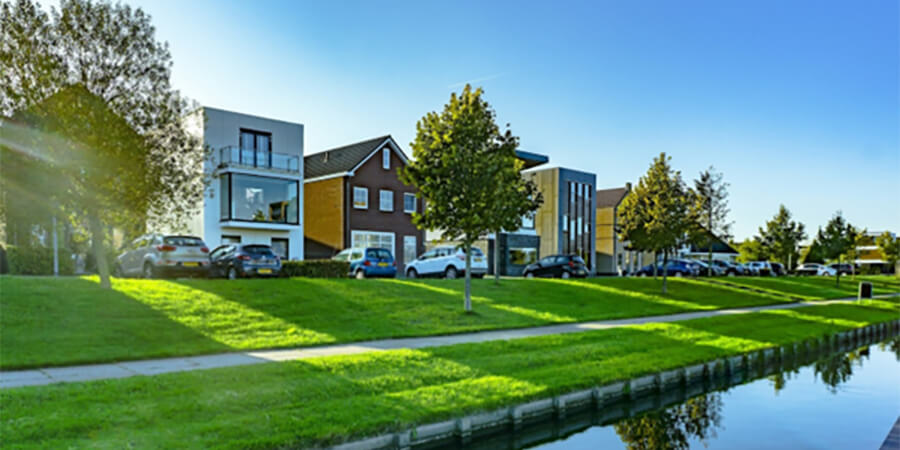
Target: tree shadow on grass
70, 320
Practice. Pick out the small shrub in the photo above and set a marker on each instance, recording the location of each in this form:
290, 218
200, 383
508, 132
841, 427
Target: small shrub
315, 268
37, 261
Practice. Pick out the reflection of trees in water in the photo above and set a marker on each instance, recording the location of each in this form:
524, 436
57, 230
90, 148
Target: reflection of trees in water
837, 369
893, 345
779, 380
672, 428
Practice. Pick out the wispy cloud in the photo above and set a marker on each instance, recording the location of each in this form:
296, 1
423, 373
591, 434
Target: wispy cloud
477, 80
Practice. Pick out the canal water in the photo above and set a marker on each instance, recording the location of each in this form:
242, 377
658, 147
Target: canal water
843, 400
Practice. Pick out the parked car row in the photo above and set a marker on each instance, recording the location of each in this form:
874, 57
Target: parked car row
157, 255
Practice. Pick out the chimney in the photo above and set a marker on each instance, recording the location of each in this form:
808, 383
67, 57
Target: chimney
628, 186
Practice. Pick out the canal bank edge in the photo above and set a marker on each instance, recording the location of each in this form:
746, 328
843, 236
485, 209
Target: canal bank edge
465, 428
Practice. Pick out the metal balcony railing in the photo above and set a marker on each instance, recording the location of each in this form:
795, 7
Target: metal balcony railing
260, 159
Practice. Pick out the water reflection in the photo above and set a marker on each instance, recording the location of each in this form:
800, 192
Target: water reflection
737, 409
673, 428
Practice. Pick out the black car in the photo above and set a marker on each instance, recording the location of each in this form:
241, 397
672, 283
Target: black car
237, 261
843, 269
557, 266
778, 269
674, 268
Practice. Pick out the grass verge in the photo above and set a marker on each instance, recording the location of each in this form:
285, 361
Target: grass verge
326, 400
64, 321
810, 287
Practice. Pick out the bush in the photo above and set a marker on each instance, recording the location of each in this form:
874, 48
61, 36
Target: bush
37, 261
315, 268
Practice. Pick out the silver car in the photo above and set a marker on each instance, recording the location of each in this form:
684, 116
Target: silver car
156, 255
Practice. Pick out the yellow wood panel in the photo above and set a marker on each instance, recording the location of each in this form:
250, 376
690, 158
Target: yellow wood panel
323, 212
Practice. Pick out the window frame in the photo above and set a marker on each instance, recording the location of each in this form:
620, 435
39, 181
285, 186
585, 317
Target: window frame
287, 247
386, 158
414, 202
230, 216
360, 189
381, 198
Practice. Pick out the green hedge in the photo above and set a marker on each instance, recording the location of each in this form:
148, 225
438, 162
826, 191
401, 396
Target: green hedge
315, 268
37, 261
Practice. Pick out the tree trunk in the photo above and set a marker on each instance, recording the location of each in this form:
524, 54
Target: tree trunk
497, 259
99, 253
665, 270
655, 266
837, 275
468, 276
709, 244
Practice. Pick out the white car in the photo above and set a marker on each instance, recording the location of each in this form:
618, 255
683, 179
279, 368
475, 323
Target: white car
447, 262
815, 269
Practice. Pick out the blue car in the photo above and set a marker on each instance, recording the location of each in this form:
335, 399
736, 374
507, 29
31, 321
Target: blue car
369, 262
675, 268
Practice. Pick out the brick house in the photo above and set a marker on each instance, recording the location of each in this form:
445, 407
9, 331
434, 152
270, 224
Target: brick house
356, 199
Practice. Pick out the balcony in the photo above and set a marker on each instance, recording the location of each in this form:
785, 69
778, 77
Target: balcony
233, 156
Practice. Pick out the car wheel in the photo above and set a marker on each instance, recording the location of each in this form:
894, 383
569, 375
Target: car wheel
642, 275
118, 272
450, 273
411, 273
731, 274
360, 274
232, 273
565, 275
149, 273
529, 275
678, 275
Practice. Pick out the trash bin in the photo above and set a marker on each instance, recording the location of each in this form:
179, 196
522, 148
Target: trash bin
865, 290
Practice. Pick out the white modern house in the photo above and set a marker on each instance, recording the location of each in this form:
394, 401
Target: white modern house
255, 172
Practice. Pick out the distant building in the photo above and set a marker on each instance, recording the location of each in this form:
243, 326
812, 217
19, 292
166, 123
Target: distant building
721, 250
869, 256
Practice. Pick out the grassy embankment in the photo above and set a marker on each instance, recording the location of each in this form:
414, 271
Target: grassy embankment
48, 321
325, 400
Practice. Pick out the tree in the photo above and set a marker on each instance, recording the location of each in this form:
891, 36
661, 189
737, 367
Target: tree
835, 239
657, 214
858, 239
752, 250
782, 236
467, 172
890, 249
711, 195
109, 51
675, 427
814, 252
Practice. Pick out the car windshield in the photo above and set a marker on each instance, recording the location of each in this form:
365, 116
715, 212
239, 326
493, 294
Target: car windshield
259, 250
578, 260
183, 241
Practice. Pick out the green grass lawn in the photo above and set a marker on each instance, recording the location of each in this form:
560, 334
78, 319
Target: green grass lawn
814, 288
326, 400
63, 321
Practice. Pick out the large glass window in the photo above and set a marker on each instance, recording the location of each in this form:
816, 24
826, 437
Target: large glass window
522, 256
261, 199
372, 239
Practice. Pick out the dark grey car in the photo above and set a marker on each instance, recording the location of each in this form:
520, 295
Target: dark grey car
234, 261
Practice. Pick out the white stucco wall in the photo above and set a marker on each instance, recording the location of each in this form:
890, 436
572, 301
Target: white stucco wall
222, 129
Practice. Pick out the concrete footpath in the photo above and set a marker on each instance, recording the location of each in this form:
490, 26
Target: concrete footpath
70, 374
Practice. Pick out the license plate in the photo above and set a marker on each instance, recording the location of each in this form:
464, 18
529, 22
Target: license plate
478, 260
382, 264
190, 264
264, 271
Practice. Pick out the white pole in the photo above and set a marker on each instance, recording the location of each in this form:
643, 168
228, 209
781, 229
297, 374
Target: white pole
55, 250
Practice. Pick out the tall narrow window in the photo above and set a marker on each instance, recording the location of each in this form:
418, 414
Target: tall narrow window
256, 148
386, 158
409, 203
386, 200
360, 198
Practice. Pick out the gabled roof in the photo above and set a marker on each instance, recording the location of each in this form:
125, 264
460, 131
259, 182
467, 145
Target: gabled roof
607, 198
344, 160
718, 245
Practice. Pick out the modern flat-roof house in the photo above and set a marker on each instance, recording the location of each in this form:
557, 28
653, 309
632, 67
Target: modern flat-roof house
610, 250
354, 198
565, 221
870, 259
255, 194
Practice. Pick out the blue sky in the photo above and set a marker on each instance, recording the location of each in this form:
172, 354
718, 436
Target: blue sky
795, 102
